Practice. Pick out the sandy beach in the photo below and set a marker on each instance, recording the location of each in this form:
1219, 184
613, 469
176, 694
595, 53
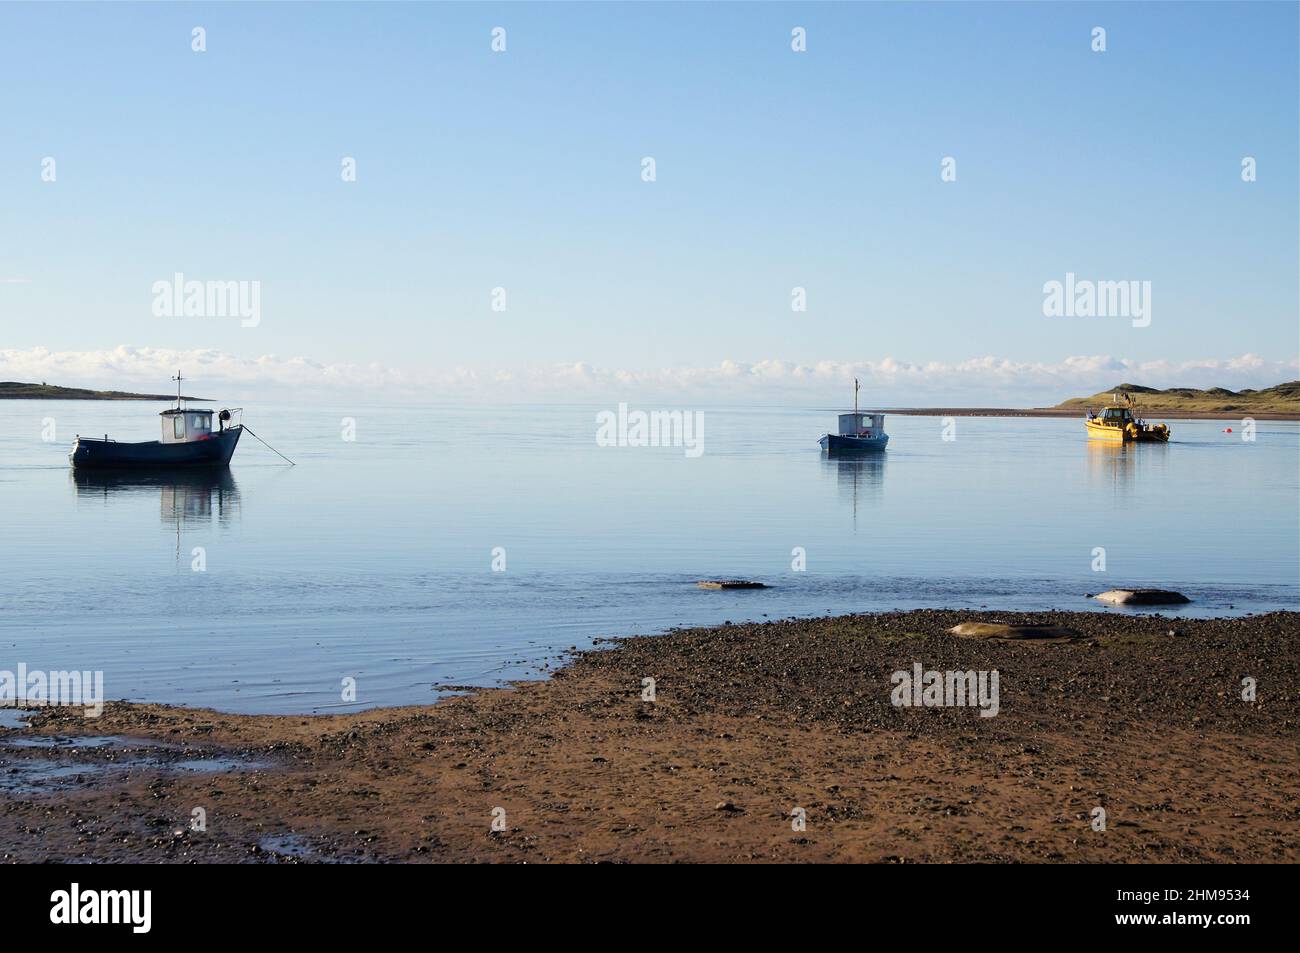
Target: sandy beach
750, 725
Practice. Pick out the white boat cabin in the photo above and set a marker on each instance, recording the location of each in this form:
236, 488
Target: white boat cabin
186, 426
862, 425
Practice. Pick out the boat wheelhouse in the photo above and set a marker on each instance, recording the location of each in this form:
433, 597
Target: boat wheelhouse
181, 426
860, 430
187, 440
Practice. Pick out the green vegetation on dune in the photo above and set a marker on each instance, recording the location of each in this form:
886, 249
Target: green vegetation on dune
1281, 399
15, 390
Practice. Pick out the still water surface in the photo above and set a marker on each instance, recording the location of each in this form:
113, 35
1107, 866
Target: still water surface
373, 558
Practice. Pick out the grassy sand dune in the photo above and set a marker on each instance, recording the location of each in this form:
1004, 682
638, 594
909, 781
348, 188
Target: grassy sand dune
1281, 399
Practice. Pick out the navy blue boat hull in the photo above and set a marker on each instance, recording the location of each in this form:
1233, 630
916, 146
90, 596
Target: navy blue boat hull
98, 454
847, 442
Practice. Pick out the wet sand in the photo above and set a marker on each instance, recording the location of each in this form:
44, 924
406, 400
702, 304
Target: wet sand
1140, 715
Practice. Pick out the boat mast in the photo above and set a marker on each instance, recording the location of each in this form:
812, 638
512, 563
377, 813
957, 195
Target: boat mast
855, 398
178, 380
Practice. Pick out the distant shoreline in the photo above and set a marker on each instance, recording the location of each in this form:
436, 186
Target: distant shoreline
15, 390
1147, 400
1071, 412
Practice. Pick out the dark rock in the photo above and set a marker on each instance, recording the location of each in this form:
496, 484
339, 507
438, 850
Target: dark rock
1142, 597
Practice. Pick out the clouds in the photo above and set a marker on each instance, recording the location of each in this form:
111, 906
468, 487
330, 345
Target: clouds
984, 380
977, 380
210, 370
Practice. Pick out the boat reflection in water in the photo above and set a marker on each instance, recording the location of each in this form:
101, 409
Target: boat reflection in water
860, 476
189, 497
1119, 464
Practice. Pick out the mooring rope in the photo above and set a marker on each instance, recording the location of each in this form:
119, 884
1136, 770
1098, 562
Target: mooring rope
269, 447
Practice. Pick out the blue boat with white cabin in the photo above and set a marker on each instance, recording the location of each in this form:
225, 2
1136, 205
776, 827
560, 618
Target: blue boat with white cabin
860, 430
188, 440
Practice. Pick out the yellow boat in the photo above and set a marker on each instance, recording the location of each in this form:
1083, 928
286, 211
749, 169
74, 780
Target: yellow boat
1116, 422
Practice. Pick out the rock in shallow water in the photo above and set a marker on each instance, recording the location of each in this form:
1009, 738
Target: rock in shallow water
1142, 597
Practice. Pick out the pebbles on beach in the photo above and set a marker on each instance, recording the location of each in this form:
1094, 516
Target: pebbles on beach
748, 722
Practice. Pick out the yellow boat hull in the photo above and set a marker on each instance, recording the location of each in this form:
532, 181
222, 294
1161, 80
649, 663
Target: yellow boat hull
1130, 434
1098, 432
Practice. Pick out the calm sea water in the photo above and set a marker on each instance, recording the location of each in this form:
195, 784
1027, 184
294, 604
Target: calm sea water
373, 558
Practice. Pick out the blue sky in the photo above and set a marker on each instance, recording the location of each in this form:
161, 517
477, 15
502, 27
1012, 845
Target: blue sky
775, 169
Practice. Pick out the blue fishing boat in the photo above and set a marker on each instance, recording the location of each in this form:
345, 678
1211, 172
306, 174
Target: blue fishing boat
188, 440
860, 430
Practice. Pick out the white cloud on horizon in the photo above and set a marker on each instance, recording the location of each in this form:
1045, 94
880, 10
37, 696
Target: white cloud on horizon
988, 381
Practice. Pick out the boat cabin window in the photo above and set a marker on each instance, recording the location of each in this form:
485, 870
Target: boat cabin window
178, 426
200, 423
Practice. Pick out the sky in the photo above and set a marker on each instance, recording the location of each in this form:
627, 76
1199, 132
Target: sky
774, 169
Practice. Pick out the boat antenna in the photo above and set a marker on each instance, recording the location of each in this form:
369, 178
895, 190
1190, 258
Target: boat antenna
178, 380
855, 398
